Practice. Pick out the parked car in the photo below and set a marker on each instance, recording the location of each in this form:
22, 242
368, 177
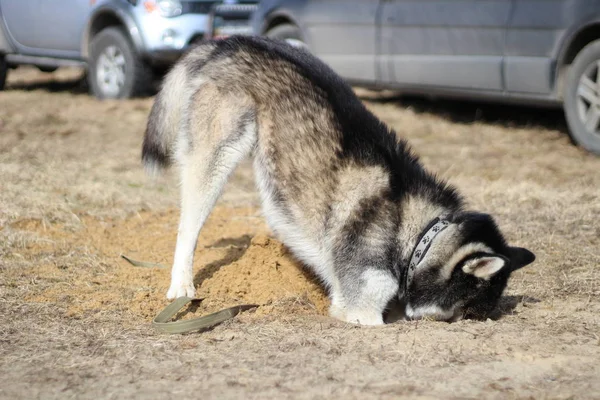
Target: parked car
540, 52
121, 42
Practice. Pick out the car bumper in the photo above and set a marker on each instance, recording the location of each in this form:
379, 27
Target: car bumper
164, 56
165, 39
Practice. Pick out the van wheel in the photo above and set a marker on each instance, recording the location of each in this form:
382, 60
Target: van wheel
288, 32
3, 71
582, 98
116, 71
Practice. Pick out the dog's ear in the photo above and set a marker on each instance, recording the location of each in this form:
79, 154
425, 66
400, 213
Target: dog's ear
484, 267
520, 257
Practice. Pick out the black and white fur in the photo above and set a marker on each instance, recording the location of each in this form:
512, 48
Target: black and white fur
338, 187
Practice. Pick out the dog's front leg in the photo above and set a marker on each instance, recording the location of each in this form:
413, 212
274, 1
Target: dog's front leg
366, 296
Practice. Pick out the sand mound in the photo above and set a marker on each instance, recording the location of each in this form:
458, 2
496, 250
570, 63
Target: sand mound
266, 274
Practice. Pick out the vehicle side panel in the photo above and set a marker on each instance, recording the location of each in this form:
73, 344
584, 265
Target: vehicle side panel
46, 27
536, 32
533, 32
444, 43
6, 45
343, 34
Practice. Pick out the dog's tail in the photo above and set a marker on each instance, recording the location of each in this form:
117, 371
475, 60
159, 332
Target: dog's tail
163, 123
165, 119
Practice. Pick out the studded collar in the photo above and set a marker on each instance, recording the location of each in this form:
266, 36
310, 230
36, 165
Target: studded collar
434, 228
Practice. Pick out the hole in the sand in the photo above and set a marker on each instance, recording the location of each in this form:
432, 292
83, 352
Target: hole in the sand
395, 309
506, 306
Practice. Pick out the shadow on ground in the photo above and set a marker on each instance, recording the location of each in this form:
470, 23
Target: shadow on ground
462, 111
75, 85
236, 247
65, 82
465, 111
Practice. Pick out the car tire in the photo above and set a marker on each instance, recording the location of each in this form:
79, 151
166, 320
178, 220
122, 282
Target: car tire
3, 71
115, 69
47, 69
288, 32
582, 98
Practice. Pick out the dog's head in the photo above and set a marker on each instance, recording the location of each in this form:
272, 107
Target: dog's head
463, 271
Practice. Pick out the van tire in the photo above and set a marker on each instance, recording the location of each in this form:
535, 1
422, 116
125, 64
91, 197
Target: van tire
116, 70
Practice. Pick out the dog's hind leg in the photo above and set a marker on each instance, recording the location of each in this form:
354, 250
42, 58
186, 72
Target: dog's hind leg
220, 133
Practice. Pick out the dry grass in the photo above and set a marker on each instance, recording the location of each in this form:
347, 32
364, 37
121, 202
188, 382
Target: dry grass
73, 196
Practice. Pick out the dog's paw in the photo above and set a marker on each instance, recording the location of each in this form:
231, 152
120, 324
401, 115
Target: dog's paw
179, 289
362, 317
337, 312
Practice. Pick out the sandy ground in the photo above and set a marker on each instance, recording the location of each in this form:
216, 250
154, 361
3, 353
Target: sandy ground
76, 317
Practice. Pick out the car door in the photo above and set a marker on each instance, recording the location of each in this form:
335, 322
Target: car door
46, 27
342, 33
454, 44
532, 37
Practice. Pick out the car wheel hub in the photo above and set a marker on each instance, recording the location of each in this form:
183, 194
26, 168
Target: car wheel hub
588, 98
110, 73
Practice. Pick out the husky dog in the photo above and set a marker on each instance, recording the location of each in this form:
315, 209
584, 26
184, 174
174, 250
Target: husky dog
337, 186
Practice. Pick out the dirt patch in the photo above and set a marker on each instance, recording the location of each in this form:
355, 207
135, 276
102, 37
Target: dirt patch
232, 266
76, 317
